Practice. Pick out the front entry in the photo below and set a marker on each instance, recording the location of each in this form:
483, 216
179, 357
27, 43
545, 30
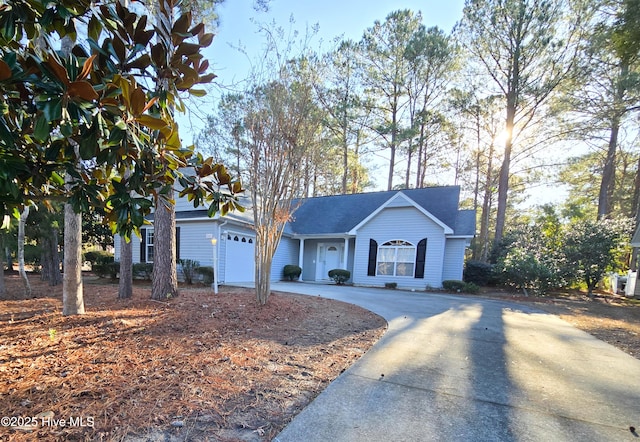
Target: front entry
329, 258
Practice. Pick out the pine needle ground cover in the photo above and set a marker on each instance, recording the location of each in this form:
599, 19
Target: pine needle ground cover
198, 367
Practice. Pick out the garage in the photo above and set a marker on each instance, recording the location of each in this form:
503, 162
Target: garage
239, 258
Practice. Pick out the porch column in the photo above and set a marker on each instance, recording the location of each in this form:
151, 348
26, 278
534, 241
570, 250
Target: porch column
345, 259
301, 257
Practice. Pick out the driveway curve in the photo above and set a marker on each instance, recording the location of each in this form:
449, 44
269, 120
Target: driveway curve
455, 368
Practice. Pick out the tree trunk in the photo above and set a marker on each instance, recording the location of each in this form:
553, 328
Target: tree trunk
264, 251
608, 172
486, 208
56, 276
125, 284
164, 283
607, 184
503, 180
72, 292
23, 274
408, 175
51, 259
3, 288
345, 154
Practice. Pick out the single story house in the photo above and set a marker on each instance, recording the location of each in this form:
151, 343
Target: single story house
415, 238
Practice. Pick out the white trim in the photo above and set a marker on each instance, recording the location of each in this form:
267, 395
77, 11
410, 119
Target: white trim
320, 276
447, 230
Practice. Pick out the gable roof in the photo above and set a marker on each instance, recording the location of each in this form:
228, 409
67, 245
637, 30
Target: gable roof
401, 200
342, 213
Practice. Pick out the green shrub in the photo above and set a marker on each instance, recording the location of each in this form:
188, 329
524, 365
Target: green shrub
391, 285
102, 263
207, 274
292, 272
478, 272
340, 276
106, 269
189, 269
470, 287
98, 257
143, 270
453, 285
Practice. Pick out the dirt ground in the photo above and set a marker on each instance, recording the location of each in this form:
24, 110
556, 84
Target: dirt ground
199, 367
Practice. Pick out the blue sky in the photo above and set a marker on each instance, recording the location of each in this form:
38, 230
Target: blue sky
348, 18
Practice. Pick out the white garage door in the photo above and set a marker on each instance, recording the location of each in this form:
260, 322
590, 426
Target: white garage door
239, 263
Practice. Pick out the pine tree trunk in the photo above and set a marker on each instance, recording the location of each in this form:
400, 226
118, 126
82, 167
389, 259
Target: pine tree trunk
607, 184
164, 283
125, 284
3, 288
608, 173
23, 274
72, 292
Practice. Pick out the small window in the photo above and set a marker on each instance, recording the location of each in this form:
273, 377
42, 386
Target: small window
149, 245
228, 236
332, 249
235, 238
250, 241
244, 239
396, 258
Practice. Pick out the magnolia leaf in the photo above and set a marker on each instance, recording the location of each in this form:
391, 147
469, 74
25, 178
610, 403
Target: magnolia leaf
236, 187
159, 55
41, 129
187, 49
197, 29
56, 178
138, 99
205, 40
58, 70
185, 84
151, 122
182, 24
142, 62
149, 104
206, 78
82, 89
119, 48
86, 68
140, 27
203, 67
5, 71
198, 92
94, 28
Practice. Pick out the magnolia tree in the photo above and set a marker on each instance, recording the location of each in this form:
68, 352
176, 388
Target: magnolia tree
98, 115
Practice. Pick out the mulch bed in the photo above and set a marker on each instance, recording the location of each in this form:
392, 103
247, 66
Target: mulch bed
197, 367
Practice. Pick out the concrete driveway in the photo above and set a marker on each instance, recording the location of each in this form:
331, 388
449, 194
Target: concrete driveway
455, 368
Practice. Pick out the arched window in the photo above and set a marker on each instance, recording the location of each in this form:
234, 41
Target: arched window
396, 258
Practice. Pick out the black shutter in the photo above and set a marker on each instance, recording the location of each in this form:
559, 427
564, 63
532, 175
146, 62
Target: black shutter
177, 243
143, 245
373, 258
421, 254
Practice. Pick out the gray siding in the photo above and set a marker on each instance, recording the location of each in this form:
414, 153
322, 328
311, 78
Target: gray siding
415, 226
454, 259
287, 253
194, 243
310, 255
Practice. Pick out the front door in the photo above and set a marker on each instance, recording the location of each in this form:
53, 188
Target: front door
329, 258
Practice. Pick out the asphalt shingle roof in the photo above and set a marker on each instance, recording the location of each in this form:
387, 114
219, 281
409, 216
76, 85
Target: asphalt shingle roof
341, 213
